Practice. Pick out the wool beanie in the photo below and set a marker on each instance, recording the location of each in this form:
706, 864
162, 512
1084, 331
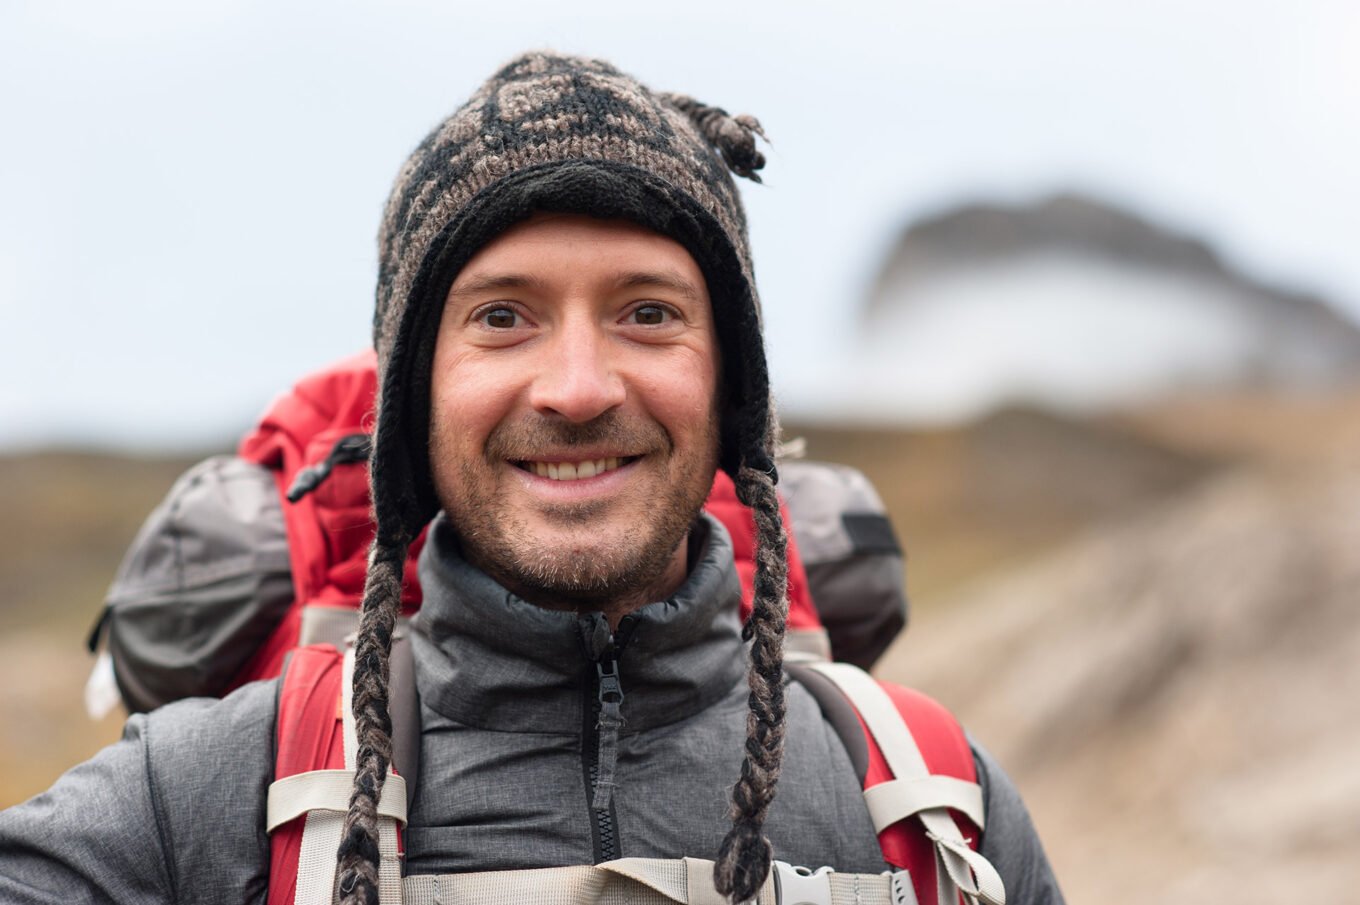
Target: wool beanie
552, 133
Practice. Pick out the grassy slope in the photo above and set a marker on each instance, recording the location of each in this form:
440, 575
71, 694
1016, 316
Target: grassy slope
68, 518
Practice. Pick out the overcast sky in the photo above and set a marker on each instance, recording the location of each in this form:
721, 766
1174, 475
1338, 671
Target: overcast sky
189, 192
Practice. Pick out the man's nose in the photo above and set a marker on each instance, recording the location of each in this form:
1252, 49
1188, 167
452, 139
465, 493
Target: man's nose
577, 378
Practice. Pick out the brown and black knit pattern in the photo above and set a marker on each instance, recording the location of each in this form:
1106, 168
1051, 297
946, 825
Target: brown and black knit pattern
543, 108
555, 133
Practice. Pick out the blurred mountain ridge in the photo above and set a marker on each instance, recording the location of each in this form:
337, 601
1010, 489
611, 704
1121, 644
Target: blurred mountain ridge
1077, 303
1066, 220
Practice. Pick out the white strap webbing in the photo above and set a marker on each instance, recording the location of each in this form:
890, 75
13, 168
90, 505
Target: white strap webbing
323, 795
317, 858
634, 881
389, 859
334, 625
327, 790
802, 645
699, 883
970, 874
896, 799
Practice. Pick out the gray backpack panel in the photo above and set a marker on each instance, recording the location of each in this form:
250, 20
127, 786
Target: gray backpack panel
205, 582
854, 563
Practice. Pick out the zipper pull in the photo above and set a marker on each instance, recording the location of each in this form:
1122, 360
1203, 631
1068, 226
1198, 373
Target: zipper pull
609, 723
611, 689
349, 448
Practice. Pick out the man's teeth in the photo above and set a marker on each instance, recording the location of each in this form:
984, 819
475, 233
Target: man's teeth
571, 471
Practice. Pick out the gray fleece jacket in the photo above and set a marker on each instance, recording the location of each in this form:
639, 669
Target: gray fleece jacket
510, 759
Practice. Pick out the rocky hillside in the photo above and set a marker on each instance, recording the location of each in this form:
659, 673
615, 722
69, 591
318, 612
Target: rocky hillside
1177, 691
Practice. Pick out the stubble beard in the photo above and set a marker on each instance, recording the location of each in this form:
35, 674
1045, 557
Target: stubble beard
609, 571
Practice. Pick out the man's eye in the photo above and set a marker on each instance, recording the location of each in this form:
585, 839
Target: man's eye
650, 315
499, 318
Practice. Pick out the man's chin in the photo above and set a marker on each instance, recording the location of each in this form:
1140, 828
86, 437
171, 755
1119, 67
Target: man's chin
576, 517
559, 571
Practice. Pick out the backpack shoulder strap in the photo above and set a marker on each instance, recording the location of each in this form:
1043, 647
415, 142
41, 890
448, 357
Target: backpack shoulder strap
308, 736
403, 705
914, 761
314, 774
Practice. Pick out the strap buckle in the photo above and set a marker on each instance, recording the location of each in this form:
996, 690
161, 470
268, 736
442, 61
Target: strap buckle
801, 885
900, 888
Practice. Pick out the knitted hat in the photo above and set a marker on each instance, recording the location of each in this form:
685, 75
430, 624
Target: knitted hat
550, 133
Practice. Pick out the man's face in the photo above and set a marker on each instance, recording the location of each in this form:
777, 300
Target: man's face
573, 417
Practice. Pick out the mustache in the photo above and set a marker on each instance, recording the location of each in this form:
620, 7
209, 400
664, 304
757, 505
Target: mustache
535, 436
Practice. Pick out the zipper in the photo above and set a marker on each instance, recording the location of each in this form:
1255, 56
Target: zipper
600, 741
349, 448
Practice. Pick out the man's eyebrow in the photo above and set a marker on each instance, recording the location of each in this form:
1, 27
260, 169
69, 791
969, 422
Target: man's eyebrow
478, 284
482, 283
663, 278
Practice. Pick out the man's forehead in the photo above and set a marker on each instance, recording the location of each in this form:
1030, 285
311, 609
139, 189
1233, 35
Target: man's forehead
552, 248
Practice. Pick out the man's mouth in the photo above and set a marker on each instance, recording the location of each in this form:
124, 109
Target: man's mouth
574, 471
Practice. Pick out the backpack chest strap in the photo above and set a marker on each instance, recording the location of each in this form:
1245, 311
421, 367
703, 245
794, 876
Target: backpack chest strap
652, 881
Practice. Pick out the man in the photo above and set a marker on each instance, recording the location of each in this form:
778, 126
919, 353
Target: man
569, 345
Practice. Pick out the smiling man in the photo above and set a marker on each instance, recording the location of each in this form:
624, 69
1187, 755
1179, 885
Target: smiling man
574, 411
569, 347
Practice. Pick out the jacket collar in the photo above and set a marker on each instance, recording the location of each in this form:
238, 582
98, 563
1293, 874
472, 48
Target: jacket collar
486, 658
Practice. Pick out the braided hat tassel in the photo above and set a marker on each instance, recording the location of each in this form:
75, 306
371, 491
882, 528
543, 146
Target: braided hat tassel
358, 854
745, 855
733, 136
